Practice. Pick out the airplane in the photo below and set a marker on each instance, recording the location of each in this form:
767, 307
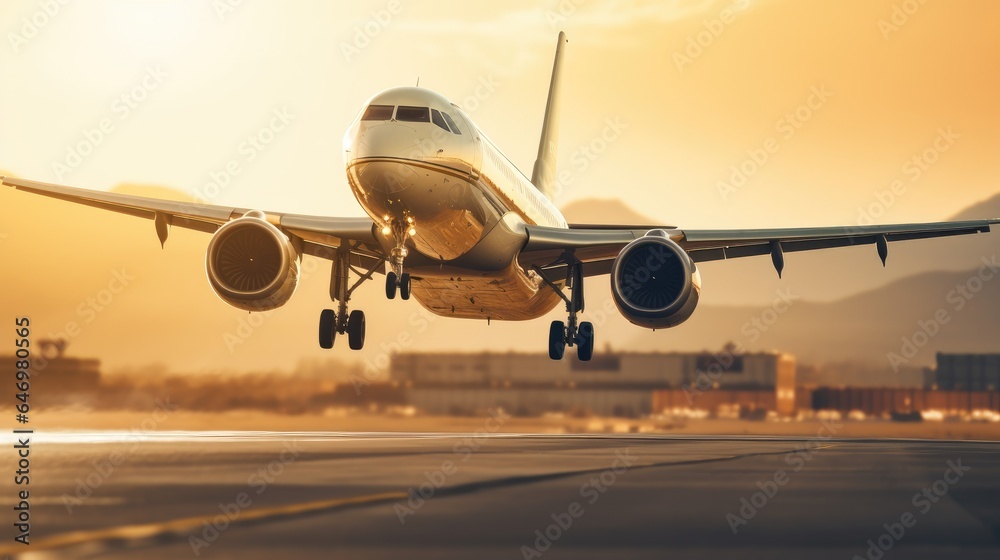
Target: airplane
454, 224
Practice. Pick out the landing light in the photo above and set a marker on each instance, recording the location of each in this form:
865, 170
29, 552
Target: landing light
413, 231
386, 230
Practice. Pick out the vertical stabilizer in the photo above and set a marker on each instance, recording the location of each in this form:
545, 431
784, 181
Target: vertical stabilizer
544, 174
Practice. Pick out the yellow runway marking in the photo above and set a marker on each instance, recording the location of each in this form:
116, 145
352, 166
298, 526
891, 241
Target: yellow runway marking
187, 524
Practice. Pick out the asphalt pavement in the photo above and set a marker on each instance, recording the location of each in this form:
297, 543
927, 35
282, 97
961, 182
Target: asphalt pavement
306, 495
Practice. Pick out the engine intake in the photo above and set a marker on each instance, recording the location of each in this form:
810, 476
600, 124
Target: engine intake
654, 282
251, 264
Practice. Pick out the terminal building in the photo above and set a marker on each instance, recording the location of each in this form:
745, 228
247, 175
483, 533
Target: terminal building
965, 372
626, 384
959, 384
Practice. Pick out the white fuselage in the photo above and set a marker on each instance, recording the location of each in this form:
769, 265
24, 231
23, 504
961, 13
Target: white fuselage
413, 157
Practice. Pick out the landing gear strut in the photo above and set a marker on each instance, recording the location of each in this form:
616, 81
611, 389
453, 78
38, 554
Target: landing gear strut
396, 279
570, 333
332, 323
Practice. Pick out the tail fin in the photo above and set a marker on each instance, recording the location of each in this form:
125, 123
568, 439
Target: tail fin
544, 174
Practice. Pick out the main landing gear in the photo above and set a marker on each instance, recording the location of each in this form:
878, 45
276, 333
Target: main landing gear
570, 333
396, 279
332, 323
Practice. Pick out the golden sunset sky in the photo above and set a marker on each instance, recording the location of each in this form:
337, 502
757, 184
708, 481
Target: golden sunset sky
691, 112
844, 94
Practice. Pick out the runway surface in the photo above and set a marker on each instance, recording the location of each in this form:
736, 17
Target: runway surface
331, 495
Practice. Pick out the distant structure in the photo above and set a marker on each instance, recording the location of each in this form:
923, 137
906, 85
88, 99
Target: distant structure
626, 384
965, 372
53, 375
960, 384
882, 402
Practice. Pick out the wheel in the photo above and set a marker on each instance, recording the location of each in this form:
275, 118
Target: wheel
557, 340
390, 285
327, 328
585, 341
356, 330
404, 285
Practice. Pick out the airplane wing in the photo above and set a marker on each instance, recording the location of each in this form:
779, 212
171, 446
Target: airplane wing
320, 235
597, 246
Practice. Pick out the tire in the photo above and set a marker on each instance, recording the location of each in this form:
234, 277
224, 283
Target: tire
356, 330
327, 328
390, 285
585, 342
557, 340
404, 285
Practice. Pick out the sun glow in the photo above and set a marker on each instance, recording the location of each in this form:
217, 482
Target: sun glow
152, 28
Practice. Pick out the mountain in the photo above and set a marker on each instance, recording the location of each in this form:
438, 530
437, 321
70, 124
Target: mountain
604, 211
987, 209
905, 322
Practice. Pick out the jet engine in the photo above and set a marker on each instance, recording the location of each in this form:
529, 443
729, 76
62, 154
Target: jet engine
251, 264
654, 282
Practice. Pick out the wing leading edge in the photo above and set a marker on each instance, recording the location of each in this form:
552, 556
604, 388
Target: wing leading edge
597, 247
320, 235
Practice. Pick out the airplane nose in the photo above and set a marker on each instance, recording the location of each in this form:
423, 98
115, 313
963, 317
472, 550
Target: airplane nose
388, 140
380, 157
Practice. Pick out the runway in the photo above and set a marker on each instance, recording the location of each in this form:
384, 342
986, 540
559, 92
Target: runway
430, 495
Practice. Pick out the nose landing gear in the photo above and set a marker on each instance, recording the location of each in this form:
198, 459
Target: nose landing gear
396, 279
400, 282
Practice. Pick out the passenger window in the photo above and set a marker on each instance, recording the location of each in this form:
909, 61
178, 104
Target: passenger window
438, 120
451, 123
413, 114
378, 113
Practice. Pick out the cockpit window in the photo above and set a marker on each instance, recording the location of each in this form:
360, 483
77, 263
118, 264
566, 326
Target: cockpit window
438, 119
451, 123
378, 113
413, 114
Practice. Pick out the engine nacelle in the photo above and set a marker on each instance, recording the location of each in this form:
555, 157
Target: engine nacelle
654, 282
251, 264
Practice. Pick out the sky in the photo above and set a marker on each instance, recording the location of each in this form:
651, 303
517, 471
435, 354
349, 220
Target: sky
696, 113
689, 92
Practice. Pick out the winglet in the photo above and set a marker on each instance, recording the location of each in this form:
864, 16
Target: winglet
543, 176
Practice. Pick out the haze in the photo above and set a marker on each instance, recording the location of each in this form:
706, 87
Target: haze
647, 118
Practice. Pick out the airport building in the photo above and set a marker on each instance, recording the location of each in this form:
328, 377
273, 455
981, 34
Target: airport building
965, 372
624, 384
959, 384
888, 402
